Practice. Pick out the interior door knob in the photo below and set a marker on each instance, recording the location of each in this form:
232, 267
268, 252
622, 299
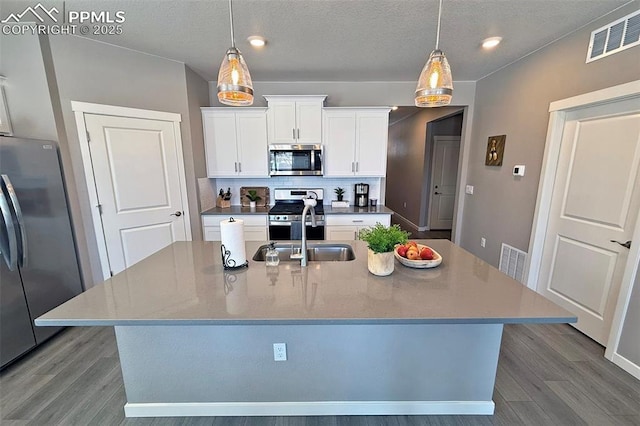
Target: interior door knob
178, 214
437, 193
627, 244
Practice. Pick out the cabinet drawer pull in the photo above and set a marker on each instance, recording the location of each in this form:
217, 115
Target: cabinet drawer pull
357, 221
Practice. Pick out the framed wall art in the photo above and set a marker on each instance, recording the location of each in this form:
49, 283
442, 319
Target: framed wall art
495, 150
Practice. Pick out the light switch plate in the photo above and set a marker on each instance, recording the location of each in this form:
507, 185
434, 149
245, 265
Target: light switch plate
469, 189
518, 170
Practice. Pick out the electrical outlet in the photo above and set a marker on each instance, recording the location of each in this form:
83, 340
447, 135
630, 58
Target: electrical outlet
469, 189
483, 242
404, 204
279, 351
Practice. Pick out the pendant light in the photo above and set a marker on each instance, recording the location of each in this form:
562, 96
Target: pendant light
234, 81
435, 85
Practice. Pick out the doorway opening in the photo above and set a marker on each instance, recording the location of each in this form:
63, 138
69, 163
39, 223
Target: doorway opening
424, 153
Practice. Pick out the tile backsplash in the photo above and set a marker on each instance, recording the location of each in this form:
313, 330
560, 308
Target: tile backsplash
209, 188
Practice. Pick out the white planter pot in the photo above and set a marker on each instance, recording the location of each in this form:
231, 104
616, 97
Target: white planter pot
380, 264
252, 205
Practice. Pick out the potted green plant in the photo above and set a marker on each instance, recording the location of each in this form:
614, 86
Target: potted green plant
339, 193
253, 196
382, 241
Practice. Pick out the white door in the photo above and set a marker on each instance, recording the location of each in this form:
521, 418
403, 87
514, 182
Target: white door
137, 178
371, 144
253, 151
596, 198
444, 174
220, 143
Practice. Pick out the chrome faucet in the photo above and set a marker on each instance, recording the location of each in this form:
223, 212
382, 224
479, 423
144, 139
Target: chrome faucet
309, 206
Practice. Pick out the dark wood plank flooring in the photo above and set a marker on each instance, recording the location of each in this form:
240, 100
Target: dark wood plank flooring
547, 375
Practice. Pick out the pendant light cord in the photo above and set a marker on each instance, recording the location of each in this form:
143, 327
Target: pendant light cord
437, 33
233, 40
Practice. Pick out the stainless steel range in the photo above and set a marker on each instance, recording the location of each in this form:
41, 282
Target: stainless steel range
285, 217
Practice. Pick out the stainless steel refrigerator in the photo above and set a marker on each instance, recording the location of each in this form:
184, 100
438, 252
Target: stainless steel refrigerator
38, 266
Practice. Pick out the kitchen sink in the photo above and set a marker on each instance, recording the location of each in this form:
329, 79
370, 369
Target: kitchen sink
315, 252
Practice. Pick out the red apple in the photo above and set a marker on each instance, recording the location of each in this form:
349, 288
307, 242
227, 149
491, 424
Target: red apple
413, 254
402, 251
426, 254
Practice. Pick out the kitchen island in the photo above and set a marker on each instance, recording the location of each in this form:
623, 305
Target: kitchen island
195, 340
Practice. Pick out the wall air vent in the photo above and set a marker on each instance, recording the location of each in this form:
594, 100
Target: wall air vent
512, 262
615, 37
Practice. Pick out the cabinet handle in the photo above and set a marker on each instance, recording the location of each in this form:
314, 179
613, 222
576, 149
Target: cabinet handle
298, 134
235, 167
357, 221
293, 132
357, 166
355, 235
353, 168
239, 167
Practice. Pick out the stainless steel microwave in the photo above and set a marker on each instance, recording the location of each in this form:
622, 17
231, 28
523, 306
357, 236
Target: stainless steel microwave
295, 160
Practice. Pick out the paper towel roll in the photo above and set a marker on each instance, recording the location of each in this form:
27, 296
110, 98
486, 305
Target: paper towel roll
232, 237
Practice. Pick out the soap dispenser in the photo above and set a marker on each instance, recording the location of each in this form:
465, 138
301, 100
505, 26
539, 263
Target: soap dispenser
272, 258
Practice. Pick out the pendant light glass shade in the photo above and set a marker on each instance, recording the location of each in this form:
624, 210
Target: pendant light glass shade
235, 87
435, 85
234, 81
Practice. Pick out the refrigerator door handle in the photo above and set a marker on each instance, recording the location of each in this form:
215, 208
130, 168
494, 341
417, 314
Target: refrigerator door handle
9, 247
18, 211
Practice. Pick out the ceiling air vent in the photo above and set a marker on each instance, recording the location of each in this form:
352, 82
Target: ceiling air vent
615, 37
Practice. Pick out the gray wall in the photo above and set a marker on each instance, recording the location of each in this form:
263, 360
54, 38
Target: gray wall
351, 93
197, 96
408, 161
515, 101
26, 88
89, 71
450, 126
44, 76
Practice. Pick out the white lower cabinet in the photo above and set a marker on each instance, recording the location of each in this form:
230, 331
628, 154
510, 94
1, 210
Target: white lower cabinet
347, 226
255, 227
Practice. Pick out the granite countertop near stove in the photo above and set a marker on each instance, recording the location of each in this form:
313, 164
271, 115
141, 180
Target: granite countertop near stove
236, 210
185, 284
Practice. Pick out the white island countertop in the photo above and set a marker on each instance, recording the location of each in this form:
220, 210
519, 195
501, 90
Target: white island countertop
185, 284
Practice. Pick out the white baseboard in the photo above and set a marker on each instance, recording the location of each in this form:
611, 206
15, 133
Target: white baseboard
626, 365
310, 408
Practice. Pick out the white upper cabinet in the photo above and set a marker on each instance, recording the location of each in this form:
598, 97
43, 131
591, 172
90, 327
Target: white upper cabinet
295, 119
355, 141
235, 142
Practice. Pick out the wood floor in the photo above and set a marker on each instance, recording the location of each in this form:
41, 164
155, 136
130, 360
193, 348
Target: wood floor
547, 375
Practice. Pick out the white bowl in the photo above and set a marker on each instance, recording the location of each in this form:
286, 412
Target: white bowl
437, 259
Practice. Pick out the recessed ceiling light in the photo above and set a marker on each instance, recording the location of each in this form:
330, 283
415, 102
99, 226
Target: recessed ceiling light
393, 108
257, 41
491, 42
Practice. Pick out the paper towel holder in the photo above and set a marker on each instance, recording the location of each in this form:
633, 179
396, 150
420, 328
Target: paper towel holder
227, 262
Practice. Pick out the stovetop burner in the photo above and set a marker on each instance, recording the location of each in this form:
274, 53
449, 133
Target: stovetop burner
289, 205
293, 208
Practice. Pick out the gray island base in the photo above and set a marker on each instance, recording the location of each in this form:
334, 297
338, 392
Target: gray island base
195, 340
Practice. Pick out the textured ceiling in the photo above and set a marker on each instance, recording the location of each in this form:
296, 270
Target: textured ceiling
347, 40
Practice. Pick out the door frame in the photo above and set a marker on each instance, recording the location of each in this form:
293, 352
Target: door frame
436, 138
558, 116
80, 109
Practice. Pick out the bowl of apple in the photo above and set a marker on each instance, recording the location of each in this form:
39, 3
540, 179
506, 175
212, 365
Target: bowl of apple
416, 255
